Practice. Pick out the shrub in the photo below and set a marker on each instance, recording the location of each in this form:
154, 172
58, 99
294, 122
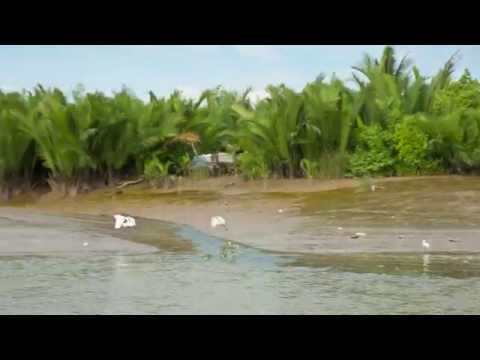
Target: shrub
412, 145
253, 166
373, 155
332, 165
309, 168
184, 163
156, 172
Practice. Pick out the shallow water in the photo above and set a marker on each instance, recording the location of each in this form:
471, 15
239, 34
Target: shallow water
192, 273
189, 272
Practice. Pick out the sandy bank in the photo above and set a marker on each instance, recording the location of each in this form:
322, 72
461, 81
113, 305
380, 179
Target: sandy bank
275, 215
30, 233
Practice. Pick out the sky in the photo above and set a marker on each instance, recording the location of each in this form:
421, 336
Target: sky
193, 68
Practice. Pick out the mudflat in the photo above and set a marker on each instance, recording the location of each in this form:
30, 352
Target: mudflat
24, 232
305, 216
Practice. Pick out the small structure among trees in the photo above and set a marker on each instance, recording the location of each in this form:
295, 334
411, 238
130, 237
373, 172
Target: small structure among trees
216, 163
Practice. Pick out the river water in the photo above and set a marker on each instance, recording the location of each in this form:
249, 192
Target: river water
182, 271
192, 273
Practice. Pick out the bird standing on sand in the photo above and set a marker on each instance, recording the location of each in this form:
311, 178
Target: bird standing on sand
218, 221
373, 187
425, 244
123, 221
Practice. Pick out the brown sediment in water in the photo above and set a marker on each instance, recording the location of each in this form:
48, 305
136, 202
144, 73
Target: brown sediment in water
304, 216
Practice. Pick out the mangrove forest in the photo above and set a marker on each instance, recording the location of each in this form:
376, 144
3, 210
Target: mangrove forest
386, 120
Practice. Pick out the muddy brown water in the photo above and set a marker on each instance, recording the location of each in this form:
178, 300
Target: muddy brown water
163, 268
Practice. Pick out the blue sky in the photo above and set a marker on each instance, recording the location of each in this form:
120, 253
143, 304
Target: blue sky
196, 67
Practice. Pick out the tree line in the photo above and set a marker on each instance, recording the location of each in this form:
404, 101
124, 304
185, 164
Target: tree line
390, 121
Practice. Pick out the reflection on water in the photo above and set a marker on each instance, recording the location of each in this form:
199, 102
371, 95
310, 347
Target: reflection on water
167, 283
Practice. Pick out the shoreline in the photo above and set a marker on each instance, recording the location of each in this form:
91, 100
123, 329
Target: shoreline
253, 217
35, 233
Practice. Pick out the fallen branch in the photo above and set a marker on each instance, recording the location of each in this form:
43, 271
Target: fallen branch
131, 182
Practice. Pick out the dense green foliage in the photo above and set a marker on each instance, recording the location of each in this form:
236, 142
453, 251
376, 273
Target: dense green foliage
374, 153
390, 121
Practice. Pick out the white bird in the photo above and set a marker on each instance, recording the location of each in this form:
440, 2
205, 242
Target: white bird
339, 228
360, 234
373, 187
425, 244
85, 244
123, 221
129, 222
119, 220
218, 221
280, 211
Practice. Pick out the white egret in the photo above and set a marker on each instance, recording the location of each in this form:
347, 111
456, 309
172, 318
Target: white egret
218, 221
119, 220
129, 222
425, 244
123, 221
85, 243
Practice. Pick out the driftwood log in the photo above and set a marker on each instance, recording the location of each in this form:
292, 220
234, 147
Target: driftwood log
131, 182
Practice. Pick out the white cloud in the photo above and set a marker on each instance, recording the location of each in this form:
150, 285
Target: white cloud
190, 48
190, 91
262, 52
201, 47
257, 95
6, 88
